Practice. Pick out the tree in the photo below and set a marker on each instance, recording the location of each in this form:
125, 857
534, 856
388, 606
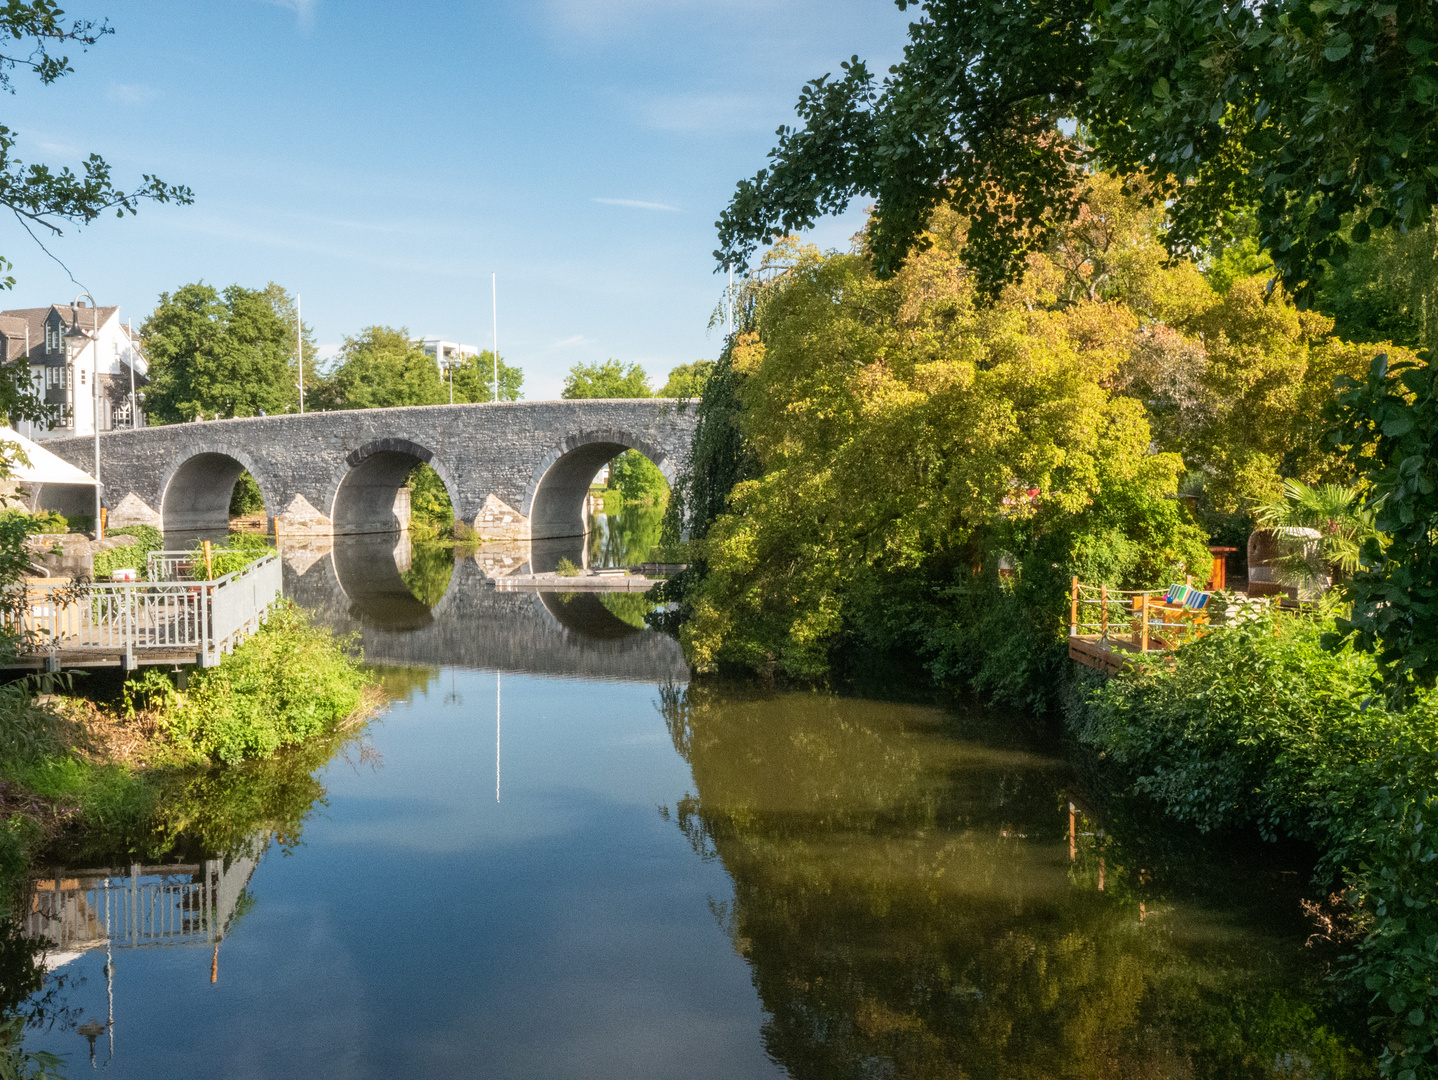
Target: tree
901, 436
1388, 426
637, 478
474, 380
1387, 290
610, 379
1320, 115
687, 380
383, 367
211, 353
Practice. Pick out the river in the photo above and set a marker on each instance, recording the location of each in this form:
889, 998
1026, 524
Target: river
553, 857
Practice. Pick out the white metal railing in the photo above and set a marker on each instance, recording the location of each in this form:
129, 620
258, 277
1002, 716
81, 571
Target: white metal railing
130, 618
169, 565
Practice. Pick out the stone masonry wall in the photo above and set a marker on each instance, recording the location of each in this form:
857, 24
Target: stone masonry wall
491, 457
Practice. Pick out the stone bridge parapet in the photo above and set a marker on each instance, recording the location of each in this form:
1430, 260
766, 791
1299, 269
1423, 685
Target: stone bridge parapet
514, 470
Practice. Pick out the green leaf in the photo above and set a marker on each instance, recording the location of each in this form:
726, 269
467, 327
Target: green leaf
1160, 88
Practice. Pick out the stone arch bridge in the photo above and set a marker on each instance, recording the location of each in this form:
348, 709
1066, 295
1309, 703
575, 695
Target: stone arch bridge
514, 470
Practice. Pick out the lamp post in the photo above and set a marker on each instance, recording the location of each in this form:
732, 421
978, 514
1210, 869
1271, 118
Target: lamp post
77, 332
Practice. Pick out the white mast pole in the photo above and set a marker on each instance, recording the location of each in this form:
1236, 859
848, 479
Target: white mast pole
95, 406
134, 405
494, 298
300, 350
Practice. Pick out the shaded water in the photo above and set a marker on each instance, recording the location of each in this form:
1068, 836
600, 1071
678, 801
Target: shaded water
551, 857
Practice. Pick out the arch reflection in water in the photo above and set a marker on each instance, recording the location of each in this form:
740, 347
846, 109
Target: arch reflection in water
371, 572
357, 586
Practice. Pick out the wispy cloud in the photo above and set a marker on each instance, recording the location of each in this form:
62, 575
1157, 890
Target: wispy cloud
570, 342
304, 9
711, 113
602, 17
638, 204
132, 94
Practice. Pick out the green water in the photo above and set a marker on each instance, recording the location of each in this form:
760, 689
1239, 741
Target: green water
908, 899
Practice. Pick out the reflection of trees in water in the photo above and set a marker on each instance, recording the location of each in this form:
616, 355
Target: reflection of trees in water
908, 908
401, 683
430, 568
625, 538
628, 607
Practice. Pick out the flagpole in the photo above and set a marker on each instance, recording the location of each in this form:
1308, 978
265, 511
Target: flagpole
300, 350
494, 298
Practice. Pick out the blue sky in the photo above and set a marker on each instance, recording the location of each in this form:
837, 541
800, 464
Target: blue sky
384, 158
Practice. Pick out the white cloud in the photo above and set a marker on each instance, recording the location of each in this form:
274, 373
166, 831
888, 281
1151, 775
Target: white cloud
570, 342
132, 94
637, 204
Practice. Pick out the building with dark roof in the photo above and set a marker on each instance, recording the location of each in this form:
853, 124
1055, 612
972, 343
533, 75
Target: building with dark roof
69, 348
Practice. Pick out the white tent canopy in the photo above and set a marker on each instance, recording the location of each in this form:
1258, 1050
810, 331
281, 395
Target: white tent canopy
44, 467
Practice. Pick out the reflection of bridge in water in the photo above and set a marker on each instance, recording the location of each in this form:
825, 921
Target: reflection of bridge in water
356, 586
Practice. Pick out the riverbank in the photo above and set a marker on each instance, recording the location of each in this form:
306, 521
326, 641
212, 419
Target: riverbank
80, 773
1257, 728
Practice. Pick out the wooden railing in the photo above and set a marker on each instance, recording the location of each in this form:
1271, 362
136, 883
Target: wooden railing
142, 622
1130, 620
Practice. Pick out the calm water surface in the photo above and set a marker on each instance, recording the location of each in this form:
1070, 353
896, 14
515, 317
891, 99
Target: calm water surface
552, 858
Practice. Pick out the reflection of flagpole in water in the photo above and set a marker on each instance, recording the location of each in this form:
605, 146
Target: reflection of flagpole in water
496, 736
109, 974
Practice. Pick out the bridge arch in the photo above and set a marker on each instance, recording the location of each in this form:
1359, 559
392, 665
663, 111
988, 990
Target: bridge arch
196, 490
369, 482
554, 497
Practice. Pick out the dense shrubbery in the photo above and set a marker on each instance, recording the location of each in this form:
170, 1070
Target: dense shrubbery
1257, 726
284, 685
431, 510
131, 556
46, 521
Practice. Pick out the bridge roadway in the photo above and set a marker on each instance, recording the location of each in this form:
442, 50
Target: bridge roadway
355, 586
514, 470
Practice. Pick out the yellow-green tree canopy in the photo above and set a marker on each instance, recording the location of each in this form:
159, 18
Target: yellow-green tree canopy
903, 425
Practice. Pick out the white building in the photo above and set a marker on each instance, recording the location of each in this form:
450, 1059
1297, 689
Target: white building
446, 353
63, 364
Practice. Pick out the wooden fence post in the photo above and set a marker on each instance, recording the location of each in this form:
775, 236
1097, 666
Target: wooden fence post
1103, 608
1143, 647
1073, 610
209, 561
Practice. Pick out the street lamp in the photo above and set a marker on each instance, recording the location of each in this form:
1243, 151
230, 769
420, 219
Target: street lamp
76, 332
